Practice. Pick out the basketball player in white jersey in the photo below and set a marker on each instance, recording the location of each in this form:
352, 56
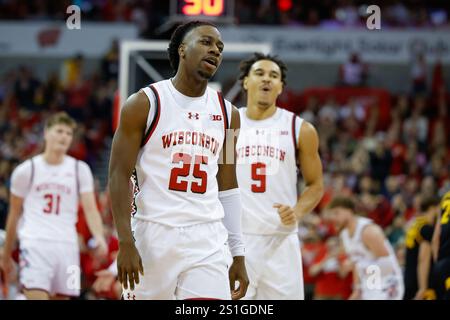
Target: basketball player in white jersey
271, 140
376, 272
45, 191
186, 203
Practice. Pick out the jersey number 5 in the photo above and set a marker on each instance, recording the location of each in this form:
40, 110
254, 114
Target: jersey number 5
259, 174
185, 170
53, 201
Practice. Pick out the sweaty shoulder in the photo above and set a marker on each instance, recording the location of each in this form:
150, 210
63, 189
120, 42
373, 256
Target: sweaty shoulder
308, 137
135, 111
307, 129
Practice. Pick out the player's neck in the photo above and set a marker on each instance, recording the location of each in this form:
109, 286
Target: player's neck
351, 226
189, 86
53, 158
254, 112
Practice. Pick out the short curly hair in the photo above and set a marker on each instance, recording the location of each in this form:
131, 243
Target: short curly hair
246, 65
178, 37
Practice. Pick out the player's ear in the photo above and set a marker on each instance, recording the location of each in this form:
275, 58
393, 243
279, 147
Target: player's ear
181, 50
244, 83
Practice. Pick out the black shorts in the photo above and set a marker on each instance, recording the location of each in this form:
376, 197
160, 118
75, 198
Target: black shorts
442, 279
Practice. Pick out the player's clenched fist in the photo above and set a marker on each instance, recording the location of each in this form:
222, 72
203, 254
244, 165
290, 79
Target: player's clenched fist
286, 213
129, 265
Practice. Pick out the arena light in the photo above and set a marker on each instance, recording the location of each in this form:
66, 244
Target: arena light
284, 5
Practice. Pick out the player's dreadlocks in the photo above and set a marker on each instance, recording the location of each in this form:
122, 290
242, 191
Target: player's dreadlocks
178, 37
246, 65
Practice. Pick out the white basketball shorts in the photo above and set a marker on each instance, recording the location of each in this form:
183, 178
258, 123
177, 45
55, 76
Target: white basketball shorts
274, 267
181, 263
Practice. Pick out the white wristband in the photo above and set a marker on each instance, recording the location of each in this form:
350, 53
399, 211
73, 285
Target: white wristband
231, 202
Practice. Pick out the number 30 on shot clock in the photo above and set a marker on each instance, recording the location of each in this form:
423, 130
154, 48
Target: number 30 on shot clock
209, 8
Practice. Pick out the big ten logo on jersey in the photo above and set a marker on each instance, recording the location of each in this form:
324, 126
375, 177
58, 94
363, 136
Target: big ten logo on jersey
261, 148
215, 117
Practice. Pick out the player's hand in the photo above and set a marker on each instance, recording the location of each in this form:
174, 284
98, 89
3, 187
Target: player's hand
101, 250
286, 213
356, 295
238, 273
6, 269
129, 265
104, 281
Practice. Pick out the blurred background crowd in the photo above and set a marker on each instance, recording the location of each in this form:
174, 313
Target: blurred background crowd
388, 149
148, 14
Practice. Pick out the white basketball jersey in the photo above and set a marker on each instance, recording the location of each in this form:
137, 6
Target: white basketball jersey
267, 170
50, 194
175, 174
363, 257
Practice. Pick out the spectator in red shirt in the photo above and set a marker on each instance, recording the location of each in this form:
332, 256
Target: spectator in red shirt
332, 272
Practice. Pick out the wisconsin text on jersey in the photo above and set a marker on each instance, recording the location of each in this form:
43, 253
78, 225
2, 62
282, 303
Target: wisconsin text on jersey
53, 186
261, 150
194, 138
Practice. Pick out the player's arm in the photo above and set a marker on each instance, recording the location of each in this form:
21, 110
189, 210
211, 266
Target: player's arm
125, 148
374, 239
229, 196
423, 268
311, 167
356, 292
94, 221
21, 180
14, 213
435, 239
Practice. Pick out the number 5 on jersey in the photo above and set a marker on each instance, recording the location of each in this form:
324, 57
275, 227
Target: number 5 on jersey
259, 175
184, 171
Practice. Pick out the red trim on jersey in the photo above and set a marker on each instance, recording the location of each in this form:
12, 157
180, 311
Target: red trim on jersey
294, 138
224, 111
295, 141
155, 121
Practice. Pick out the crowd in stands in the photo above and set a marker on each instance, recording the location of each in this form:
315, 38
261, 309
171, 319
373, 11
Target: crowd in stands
389, 161
149, 14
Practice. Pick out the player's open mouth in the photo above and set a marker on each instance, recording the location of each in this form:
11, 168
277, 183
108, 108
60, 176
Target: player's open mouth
265, 88
211, 62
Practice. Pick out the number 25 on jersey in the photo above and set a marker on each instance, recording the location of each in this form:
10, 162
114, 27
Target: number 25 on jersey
184, 171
